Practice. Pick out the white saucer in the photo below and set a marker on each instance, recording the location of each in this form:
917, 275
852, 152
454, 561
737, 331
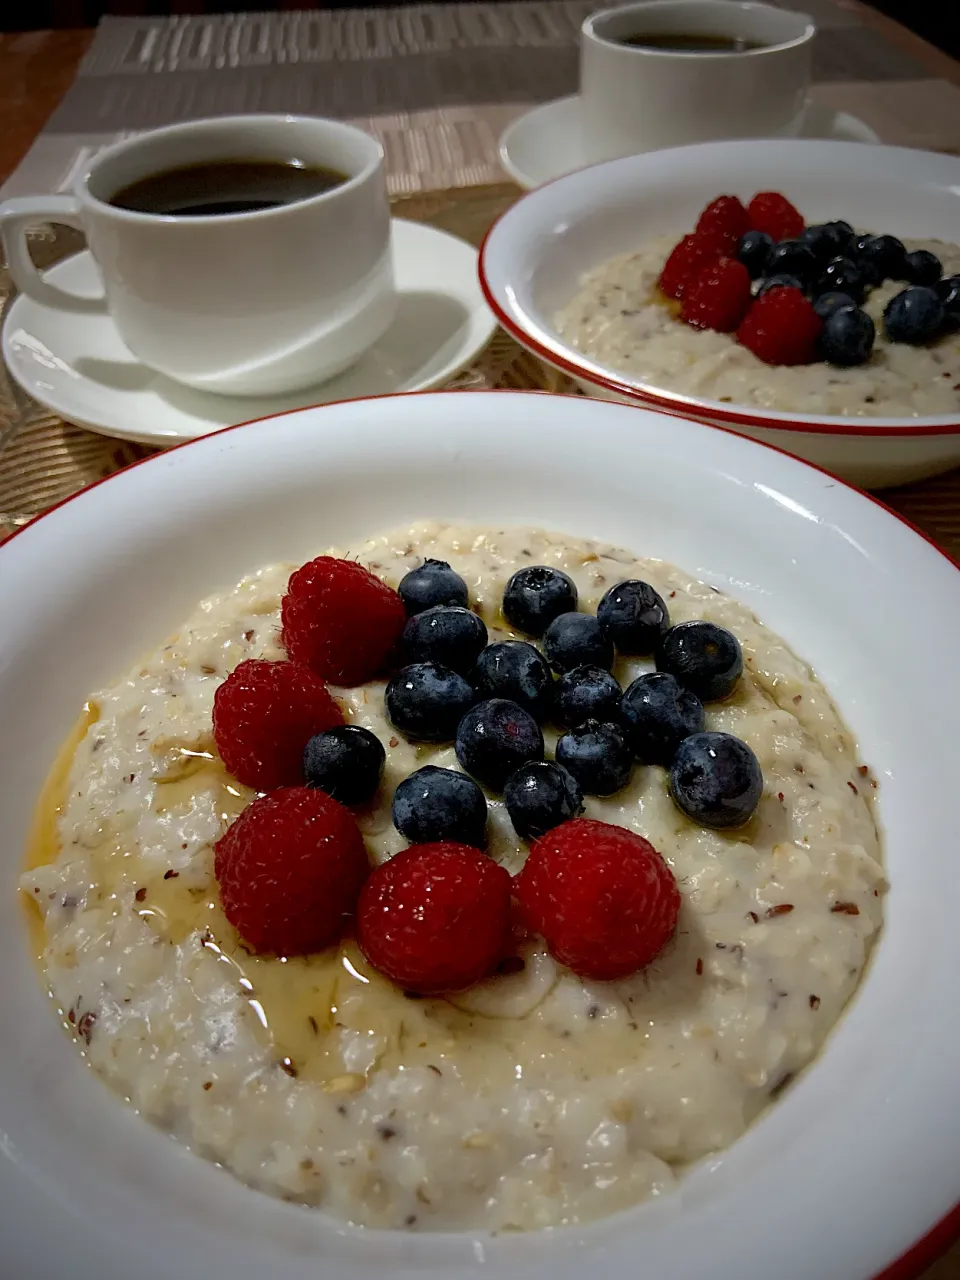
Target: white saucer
545, 143
79, 367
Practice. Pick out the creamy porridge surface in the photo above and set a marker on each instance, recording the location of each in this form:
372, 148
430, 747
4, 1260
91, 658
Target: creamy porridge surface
619, 319
532, 1099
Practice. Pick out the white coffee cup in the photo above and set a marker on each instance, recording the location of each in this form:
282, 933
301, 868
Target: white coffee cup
241, 304
636, 98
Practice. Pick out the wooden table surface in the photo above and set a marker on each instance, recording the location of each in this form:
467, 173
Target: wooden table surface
37, 67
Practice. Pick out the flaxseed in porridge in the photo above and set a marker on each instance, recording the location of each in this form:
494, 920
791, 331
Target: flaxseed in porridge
533, 1098
619, 319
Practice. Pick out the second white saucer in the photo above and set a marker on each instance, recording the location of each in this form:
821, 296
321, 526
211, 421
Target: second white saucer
79, 367
546, 142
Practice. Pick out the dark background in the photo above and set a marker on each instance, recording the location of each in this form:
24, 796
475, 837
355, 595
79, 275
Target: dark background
927, 17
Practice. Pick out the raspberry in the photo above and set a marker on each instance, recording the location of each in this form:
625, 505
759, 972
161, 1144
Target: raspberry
773, 213
290, 869
264, 714
725, 217
603, 899
341, 620
686, 259
717, 297
436, 917
781, 328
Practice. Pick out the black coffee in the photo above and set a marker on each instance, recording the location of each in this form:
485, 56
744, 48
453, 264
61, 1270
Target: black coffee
227, 186
688, 42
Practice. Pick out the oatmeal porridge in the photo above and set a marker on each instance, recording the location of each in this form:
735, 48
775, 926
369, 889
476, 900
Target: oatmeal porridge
533, 1098
619, 318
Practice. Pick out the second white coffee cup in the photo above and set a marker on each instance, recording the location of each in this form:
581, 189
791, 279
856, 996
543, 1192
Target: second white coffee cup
241, 303
636, 97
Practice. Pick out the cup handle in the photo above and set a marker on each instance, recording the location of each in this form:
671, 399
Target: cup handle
16, 216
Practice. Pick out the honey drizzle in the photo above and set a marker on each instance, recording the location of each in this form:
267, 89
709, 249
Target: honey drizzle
304, 1007
43, 841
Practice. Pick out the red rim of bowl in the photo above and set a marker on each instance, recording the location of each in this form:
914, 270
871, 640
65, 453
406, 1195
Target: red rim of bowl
944, 1232
676, 406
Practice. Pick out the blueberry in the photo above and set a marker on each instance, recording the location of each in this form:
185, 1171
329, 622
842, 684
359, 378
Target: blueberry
822, 241
536, 595
427, 701
753, 251
715, 779
586, 693
440, 804
792, 258
948, 291
516, 670
704, 657
923, 268
434, 583
871, 276
539, 796
841, 275
495, 738
658, 713
913, 316
780, 282
345, 762
843, 230
633, 616
885, 254
577, 640
598, 755
847, 337
451, 636
827, 240
828, 303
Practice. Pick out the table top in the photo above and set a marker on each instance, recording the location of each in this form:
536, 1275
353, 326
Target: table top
435, 84
37, 68
908, 91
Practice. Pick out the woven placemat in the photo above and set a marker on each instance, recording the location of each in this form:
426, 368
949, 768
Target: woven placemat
435, 83
43, 459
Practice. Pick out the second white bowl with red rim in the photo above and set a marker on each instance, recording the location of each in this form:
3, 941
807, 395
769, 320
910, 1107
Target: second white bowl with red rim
535, 256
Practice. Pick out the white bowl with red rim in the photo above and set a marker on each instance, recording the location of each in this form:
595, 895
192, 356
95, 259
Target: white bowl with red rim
534, 257
853, 1166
